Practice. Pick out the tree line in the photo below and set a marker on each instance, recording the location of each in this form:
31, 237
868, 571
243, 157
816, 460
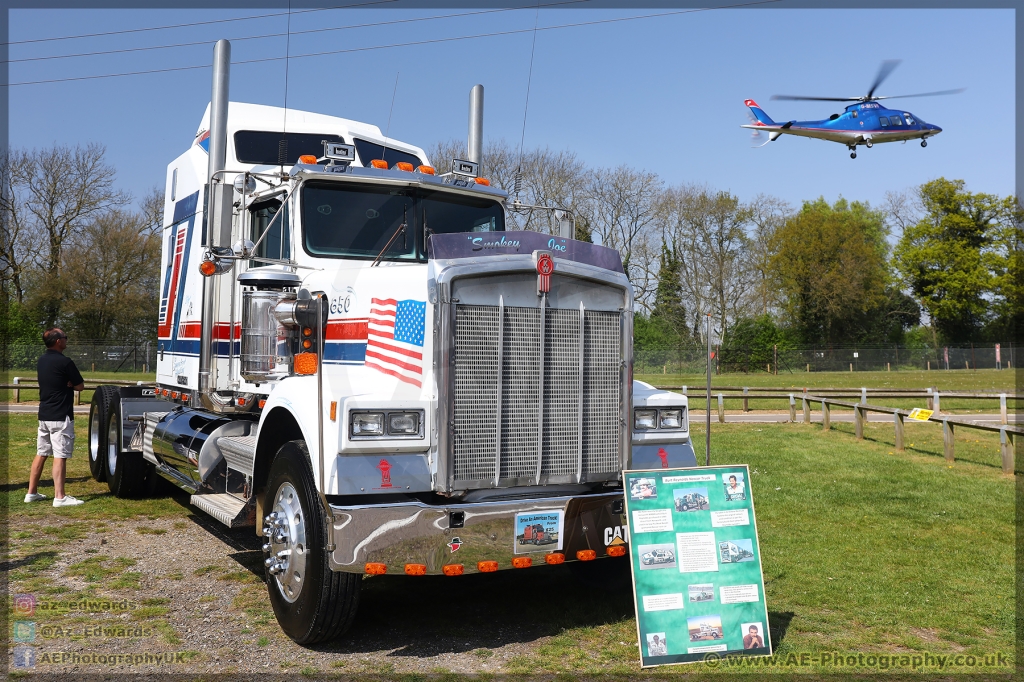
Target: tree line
935, 264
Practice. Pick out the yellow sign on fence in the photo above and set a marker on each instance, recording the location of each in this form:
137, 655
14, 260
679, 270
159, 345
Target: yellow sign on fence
919, 415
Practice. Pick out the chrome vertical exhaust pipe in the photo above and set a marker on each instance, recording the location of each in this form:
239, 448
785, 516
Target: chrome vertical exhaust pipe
475, 143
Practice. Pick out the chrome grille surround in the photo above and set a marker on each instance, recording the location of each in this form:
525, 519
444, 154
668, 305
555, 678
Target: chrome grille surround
493, 396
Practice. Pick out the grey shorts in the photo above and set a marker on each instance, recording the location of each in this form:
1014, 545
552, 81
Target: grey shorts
56, 438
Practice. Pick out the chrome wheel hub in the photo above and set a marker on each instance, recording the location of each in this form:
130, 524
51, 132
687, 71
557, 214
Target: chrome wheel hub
284, 530
112, 438
94, 437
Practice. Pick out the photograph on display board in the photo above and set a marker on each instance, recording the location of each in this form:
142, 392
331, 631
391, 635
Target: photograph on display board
735, 551
538, 531
691, 499
753, 635
657, 556
643, 489
656, 644
705, 628
702, 592
735, 487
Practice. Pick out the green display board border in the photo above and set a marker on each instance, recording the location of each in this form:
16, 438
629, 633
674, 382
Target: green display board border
654, 661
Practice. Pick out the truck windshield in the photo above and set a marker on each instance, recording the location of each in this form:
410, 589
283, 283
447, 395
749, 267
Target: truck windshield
356, 221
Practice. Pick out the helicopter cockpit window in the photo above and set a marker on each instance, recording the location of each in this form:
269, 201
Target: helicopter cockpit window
910, 119
896, 120
883, 121
855, 113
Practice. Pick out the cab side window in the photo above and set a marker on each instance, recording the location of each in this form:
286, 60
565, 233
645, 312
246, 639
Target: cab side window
883, 121
277, 242
910, 119
896, 120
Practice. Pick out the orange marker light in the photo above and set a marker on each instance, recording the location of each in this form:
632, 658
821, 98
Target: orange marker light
586, 555
240, 402
379, 163
174, 395
262, 404
376, 569
166, 393
404, 166
305, 363
207, 268
453, 569
483, 181
426, 170
307, 344
308, 158
487, 566
334, 410
616, 550
554, 558
522, 562
415, 569
185, 396
307, 331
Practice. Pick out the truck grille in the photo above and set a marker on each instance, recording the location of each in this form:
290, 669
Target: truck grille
509, 428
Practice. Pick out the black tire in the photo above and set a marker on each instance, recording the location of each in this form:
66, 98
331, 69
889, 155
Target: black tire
126, 471
325, 602
609, 575
103, 400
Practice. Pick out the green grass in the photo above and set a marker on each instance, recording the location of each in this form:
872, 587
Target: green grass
31, 394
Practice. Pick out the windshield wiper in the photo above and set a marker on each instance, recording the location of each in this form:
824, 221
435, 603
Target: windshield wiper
400, 230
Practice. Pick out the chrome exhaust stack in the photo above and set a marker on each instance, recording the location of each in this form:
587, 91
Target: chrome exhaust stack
475, 143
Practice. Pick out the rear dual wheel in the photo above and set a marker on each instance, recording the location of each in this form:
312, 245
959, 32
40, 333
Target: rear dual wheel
126, 473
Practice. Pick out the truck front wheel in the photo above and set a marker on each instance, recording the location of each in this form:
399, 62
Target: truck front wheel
312, 603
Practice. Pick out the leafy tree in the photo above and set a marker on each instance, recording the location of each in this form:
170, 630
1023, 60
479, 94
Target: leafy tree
752, 342
668, 297
946, 260
830, 262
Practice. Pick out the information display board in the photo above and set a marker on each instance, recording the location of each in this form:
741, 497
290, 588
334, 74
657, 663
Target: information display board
696, 563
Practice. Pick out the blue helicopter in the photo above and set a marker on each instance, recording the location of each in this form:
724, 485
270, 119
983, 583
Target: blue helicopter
867, 122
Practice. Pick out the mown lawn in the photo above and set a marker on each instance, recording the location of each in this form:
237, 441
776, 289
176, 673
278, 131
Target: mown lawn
864, 550
32, 394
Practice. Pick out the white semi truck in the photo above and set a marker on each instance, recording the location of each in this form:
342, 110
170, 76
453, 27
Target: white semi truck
357, 360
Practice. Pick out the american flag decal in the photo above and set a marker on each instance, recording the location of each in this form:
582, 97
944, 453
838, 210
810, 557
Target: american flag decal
394, 338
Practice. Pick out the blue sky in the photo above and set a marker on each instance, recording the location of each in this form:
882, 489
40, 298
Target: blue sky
662, 94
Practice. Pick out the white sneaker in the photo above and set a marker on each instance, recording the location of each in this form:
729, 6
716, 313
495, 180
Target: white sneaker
34, 497
67, 501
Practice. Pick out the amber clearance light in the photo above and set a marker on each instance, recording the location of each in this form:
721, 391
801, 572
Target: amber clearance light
305, 363
554, 558
586, 555
616, 550
426, 170
375, 568
207, 268
483, 181
308, 158
415, 569
487, 566
522, 562
404, 166
453, 569
379, 163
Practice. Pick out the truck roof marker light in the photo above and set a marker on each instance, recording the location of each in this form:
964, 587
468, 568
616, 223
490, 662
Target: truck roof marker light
403, 166
487, 566
522, 562
483, 181
308, 158
207, 268
415, 569
426, 170
616, 550
586, 555
374, 568
453, 569
262, 403
334, 410
554, 558
305, 363
379, 163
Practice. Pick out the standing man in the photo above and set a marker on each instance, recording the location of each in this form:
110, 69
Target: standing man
58, 381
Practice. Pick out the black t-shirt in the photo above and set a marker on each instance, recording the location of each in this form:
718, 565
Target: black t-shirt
56, 398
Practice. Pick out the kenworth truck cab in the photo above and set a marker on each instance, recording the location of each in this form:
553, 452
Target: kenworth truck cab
359, 361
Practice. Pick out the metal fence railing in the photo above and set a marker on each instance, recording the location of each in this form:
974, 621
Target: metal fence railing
691, 360
129, 356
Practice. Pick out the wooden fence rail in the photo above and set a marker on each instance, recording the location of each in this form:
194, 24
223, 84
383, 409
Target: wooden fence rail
21, 383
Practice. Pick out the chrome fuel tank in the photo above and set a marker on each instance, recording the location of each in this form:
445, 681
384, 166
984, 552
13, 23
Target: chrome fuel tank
185, 440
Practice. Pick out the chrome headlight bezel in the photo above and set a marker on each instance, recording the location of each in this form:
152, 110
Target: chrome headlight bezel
388, 430
654, 418
649, 417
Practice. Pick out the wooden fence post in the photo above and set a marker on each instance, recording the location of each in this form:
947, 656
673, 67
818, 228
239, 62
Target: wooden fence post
826, 415
721, 409
17, 391
947, 440
746, 400
938, 408
792, 409
863, 396
858, 421
1002, 407
897, 420
1006, 448
806, 409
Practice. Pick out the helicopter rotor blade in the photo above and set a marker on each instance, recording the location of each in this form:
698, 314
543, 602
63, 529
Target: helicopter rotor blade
883, 72
817, 99
925, 94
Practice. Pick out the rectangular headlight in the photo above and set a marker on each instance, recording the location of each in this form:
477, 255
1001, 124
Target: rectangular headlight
645, 420
670, 419
366, 424
403, 423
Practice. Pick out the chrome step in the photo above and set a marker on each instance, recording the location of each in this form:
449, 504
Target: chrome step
239, 452
228, 509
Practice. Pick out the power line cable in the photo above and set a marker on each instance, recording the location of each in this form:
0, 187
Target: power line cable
279, 35
394, 45
188, 25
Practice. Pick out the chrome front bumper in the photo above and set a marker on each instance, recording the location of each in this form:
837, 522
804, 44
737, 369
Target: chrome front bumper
416, 533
